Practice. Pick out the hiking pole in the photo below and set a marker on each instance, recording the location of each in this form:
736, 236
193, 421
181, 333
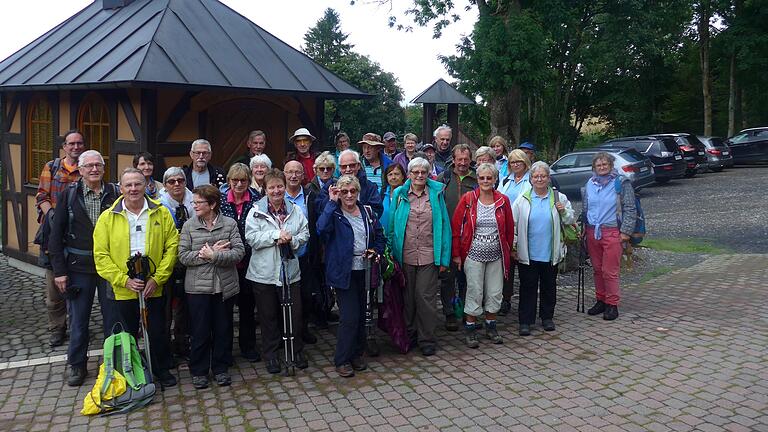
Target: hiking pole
369, 330
287, 308
138, 268
580, 301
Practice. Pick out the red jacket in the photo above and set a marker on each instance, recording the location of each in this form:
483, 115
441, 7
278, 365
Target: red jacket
463, 226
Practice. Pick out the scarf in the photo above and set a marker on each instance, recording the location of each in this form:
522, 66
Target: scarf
603, 180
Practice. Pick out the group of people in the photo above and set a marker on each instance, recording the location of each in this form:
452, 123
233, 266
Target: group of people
313, 236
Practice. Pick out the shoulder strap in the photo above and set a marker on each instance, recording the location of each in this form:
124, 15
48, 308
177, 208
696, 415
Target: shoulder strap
55, 166
71, 197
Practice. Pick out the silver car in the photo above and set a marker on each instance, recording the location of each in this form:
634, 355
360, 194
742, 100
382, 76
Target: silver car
572, 171
718, 153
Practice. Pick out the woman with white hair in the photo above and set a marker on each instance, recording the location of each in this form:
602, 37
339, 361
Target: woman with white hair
539, 247
325, 166
260, 165
485, 154
419, 234
483, 230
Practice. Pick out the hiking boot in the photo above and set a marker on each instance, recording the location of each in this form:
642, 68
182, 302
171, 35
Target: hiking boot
223, 379
307, 337
165, 378
273, 366
548, 325
597, 309
451, 324
359, 364
470, 336
346, 370
372, 348
200, 382
57, 338
492, 334
428, 350
611, 312
300, 361
252, 355
525, 330
76, 376
506, 306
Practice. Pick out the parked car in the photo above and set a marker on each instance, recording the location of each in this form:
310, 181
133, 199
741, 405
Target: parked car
694, 152
718, 153
667, 159
573, 170
749, 145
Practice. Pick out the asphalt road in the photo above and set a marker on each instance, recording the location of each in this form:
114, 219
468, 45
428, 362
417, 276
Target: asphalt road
728, 208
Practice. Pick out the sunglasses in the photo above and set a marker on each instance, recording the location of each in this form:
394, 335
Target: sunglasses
176, 181
347, 191
324, 169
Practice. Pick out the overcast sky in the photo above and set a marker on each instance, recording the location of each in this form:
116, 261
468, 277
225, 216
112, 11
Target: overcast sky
412, 56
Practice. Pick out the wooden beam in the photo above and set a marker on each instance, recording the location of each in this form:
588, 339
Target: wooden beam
306, 120
149, 119
11, 115
177, 113
10, 182
130, 115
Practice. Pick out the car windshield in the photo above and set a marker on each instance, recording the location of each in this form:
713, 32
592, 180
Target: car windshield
632, 155
669, 145
716, 142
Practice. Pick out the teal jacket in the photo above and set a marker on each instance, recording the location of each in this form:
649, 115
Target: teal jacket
441, 224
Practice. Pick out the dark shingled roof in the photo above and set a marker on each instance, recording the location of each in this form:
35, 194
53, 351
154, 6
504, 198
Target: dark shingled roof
442, 93
160, 43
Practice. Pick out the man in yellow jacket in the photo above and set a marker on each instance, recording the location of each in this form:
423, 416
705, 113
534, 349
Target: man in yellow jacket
136, 223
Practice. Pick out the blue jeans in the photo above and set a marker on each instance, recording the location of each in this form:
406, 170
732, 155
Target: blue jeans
79, 309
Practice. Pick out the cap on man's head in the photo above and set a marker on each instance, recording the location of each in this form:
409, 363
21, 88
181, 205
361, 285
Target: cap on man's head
389, 136
527, 145
427, 146
301, 132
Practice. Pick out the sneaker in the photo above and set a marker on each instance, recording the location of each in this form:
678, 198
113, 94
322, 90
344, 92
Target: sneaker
76, 375
597, 309
428, 350
451, 324
470, 336
165, 378
273, 366
359, 364
200, 382
492, 334
223, 379
300, 361
548, 325
57, 339
252, 355
346, 370
525, 330
506, 306
611, 312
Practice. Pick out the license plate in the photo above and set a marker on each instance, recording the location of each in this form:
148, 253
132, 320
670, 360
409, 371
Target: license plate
701, 153
643, 169
678, 157
726, 153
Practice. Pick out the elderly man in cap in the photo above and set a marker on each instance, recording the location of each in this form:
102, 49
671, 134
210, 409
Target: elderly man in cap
374, 161
390, 145
428, 152
529, 150
302, 140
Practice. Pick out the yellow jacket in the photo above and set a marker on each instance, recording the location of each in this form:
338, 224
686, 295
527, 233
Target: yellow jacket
111, 246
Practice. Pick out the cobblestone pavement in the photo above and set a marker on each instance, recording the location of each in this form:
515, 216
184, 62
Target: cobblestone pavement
687, 353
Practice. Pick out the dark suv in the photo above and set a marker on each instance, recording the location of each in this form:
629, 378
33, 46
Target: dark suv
664, 153
694, 151
749, 145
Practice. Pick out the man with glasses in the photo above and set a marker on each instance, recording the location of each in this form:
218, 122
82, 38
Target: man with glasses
178, 199
302, 197
54, 178
349, 164
201, 171
302, 141
71, 252
459, 179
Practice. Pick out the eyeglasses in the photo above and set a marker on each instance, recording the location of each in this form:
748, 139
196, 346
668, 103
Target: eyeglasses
419, 173
540, 177
91, 166
346, 166
197, 203
324, 169
176, 181
201, 153
347, 191
75, 143
293, 173
239, 180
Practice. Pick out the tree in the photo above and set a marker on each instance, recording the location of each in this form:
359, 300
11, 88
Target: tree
704, 12
326, 44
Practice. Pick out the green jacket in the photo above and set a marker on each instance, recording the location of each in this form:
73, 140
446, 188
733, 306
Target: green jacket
441, 223
111, 246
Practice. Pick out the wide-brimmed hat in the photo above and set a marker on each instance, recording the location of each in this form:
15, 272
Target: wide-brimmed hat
301, 132
371, 143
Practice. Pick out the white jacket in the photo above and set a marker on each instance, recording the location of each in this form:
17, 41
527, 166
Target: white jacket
521, 211
262, 231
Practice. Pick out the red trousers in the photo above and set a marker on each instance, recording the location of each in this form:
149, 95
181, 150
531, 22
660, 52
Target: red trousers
605, 255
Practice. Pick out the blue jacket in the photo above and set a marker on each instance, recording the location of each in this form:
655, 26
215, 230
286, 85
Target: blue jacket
369, 194
337, 236
441, 223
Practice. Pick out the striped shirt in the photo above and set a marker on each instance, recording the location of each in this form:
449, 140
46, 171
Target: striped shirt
92, 200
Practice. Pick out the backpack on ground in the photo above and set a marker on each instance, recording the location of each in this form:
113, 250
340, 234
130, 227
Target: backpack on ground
638, 233
124, 382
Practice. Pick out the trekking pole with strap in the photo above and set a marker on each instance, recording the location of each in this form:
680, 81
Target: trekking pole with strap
286, 303
139, 268
370, 332
580, 301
